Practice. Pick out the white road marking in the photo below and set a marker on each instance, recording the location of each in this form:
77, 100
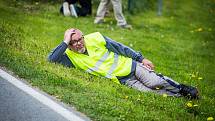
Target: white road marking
42, 98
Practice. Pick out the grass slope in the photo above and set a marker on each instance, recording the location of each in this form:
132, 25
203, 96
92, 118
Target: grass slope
180, 43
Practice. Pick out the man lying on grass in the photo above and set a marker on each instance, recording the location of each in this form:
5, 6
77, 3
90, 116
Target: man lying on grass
100, 55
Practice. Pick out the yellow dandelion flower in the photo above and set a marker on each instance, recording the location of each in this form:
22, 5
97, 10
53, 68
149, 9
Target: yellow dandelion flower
191, 31
126, 97
195, 105
164, 95
138, 99
199, 29
210, 119
200, 78
193, 76
189, 104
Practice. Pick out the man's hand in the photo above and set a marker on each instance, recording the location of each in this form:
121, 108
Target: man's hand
67, 35
148, 64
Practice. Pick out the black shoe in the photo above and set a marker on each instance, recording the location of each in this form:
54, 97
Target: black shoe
189, 91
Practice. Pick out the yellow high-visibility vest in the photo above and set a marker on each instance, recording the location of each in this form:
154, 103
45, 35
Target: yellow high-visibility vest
99, 60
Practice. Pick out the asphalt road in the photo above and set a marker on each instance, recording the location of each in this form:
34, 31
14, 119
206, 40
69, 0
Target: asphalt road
20, 102
16, 105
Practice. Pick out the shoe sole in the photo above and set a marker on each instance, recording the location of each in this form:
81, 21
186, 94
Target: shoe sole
66, 11
73, 11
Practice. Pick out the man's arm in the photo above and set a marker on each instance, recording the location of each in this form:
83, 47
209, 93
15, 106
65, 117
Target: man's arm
122, 49
128, 52
58, 56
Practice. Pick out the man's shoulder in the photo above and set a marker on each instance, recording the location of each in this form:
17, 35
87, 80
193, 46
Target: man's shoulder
93, 34
96, 36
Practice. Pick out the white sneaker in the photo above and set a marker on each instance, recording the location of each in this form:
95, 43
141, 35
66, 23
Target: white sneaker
73, 11
66, 11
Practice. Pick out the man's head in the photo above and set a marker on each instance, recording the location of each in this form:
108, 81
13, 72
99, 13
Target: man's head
77, 41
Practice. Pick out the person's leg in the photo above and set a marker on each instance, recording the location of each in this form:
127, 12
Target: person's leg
151, 80
65, 9
101, 11
109, 7
117, 7
73, 10
138, 85
156, 81
185, 90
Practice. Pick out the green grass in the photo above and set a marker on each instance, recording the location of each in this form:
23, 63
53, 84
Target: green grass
181, 43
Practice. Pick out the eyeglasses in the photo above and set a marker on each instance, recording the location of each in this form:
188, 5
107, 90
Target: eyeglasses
75, 42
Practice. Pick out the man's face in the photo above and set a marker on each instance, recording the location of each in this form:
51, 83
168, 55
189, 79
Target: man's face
77, 42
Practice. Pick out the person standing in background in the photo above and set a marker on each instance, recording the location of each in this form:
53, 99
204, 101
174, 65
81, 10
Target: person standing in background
117, 7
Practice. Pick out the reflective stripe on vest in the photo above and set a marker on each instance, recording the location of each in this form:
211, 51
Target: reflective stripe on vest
113, 66
98, 63
101, 60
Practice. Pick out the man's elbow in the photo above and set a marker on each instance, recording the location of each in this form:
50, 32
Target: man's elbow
51, 59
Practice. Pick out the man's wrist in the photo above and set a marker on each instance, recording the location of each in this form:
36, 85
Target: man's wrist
141, 59
66, 41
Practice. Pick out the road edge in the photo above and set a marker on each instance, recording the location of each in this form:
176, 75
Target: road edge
64, 110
